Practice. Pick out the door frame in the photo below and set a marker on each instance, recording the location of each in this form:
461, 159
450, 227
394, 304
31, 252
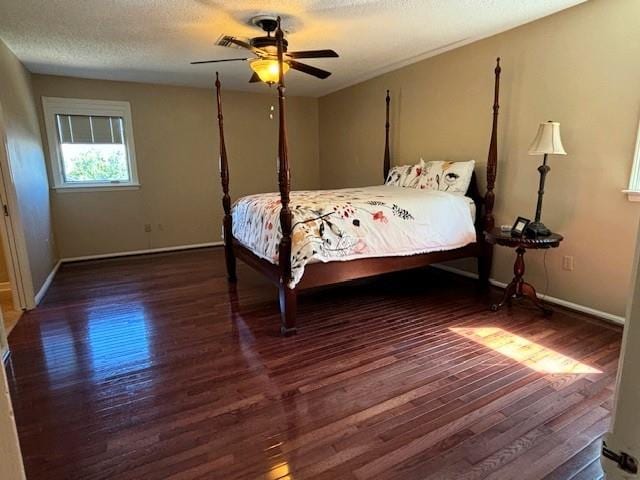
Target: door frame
17, 260
623, 435
12, 232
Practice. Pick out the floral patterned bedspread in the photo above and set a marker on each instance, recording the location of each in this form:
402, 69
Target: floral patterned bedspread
334, 225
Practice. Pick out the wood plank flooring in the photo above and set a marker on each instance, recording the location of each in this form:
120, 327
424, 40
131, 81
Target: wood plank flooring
151, 368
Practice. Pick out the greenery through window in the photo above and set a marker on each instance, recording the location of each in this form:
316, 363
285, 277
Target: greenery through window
95, 163
93, 149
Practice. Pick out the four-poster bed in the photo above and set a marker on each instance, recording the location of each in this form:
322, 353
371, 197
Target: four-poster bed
320, 273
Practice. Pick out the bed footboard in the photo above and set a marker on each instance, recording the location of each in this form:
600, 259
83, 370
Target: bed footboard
288, 310
227, 221
287, 295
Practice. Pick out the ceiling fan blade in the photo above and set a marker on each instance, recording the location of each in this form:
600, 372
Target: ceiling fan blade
218, 61
313, 54
254, 78
242, 44
304, 68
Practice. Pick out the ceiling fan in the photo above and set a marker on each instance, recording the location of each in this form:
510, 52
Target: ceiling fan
265, 64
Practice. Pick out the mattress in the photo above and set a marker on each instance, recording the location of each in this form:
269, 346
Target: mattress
353, 223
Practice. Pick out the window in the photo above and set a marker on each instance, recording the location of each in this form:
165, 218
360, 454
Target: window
90, 144
633, 192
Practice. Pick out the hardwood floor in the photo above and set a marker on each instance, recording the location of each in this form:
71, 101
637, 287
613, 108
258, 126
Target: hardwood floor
149, 368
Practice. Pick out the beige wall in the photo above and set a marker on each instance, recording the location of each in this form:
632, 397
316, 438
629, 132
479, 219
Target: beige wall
579, 67
27, 166
176, 139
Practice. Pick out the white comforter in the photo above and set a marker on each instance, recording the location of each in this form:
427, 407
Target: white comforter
332, 225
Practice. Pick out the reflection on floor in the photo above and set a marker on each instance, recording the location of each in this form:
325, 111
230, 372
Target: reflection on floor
152, 368
9, 314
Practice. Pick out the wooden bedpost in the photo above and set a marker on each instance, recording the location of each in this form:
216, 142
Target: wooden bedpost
492, 160
485, 260
387, 155
287, 295
226, 199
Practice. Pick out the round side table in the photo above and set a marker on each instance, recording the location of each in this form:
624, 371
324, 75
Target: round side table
518, 288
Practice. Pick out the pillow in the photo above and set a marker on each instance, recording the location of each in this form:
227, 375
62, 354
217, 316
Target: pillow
405, 175
453, 177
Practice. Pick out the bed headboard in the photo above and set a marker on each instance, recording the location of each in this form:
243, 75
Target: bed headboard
473, 192
484, 203
492, 159
387, 154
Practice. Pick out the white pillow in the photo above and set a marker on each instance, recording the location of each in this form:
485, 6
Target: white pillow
454, 177
405, 175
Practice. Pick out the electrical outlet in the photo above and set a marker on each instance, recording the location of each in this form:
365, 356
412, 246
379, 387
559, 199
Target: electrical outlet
147, 227
567, 263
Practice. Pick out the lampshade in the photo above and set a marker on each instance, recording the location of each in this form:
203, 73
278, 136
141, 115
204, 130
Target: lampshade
267, 69
547, 140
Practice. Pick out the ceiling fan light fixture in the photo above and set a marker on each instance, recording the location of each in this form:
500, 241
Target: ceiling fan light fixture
265, 48
267, 69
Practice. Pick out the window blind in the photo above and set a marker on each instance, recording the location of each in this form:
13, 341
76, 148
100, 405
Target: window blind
90, 129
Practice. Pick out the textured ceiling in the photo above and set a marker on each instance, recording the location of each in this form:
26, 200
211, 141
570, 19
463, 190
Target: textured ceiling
154, 40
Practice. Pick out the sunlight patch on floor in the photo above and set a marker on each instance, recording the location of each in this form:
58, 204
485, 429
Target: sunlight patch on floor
280, 472
533, 355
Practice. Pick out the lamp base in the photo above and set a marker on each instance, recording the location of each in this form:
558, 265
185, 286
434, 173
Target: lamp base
537, 229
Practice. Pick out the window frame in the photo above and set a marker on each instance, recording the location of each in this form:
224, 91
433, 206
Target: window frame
53, 106
633, 192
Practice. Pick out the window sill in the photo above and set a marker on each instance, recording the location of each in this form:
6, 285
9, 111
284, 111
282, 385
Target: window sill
632, 195
97, 188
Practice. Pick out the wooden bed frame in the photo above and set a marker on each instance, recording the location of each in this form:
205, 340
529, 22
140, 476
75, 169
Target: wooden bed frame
319, 274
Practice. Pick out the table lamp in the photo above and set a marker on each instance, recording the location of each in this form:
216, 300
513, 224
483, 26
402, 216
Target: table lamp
546, 142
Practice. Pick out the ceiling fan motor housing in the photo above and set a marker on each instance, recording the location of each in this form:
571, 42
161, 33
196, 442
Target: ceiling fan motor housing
266, 23
269, 24
264, 42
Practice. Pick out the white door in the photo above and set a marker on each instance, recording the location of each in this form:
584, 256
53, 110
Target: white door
11, 467
624, 434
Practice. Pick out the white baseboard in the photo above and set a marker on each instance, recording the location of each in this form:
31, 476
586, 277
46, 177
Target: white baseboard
617, 319
610, 317
47, 283
141, 252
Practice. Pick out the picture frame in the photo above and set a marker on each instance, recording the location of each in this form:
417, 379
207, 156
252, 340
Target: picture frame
519, 226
